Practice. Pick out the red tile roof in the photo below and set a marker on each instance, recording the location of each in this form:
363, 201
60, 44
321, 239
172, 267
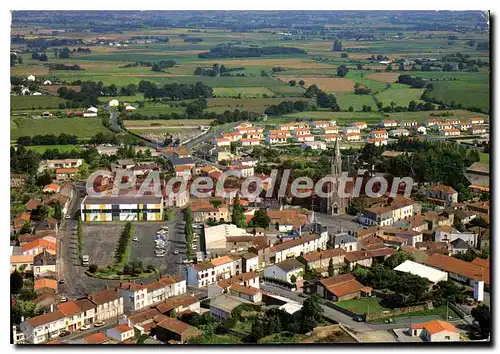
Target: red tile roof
69, 308
457, 266
122, 328
435, 326
40, 243
96, 338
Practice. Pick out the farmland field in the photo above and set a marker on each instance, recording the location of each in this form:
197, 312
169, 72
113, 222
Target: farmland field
347, 99
466, 93
400, 96
62, 148
384, 77
220, 105
83, 128
329, 84
153, 109
30, 102
243, 92
165, 123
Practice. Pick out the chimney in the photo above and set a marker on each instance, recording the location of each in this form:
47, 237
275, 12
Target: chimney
51, 307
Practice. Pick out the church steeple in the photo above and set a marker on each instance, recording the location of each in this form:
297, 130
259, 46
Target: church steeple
336, 164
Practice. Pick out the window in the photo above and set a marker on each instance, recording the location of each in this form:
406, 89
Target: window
447, 337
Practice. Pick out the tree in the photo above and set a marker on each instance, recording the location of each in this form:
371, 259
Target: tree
16, 282
397, 258
301, 83
257, 331
342, 71
238, 217
58, 211
293, 279
337, 46
292, 82
331, 269
260, 219
448, 291
482, 316
311, 308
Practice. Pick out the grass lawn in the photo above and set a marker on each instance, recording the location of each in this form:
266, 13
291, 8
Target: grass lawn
156, 109
81, 127
363, 305
345, 100
282, 338
484, 157
62, 148
36, 102
437, 311
243, 327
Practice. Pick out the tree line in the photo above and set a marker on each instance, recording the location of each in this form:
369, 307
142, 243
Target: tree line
174, 91
238, 52
48, 139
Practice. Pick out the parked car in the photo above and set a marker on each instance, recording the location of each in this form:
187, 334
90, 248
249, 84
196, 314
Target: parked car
64, 333
61, 281
99, 324
84, 327
63, 299
67, 216
358, 319
165, 228
135, 239
160, 255
176, 251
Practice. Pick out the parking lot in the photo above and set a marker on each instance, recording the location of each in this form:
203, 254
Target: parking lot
100, 241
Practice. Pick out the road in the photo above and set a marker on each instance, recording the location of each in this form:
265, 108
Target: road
109, 323
113, 119
339, 317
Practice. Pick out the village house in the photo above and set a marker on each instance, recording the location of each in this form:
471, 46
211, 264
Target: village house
109, 304
206, 273
296, 247
351, 129
379, 134
304, 138
449, 132
314, 145
411, 236
477, 129
333, 129
223, 142
463, 126
246, 292
341, 287
408, 124
203, 212
65, 173
365, 258
330, 138
322, 124
396, 133
171, 329
121, 332
222, 306
441, 194
276, 139
360, 125
458, 270
435, 331
476, 120
285, 270
232, 137
241, 171
377, 141
250, 142
250, 279
388, 124
44, 327
352, 136
320, 260
388, 215
344, 241
113, 102
431, 123
62, 163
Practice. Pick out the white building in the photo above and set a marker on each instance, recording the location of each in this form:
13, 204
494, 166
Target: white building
113, 103
31, 78
121, 333
204, 274
423, 271
215, 236
122, 208
285, 270
399, 132
47, 82
435, 331
109, 304
250, 142
44, 327
223, 142
314, 145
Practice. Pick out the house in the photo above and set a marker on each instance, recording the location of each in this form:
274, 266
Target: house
37, 246
45, 283
435, 331
21, 263
459, 246
330, 130
122, 208
422, 130
449, 132
304, 137
204, 274
352, 136
314, 145
130, 108
44, 263
65, 173
423, 271
232, 137
241, 171
463, 126
95, 338
222, 306
87, 310
250, 142
477, 129
246, 292
173, 329
388, 215
458, 270
408, 124
285, 270
179, 305
202, 212
396, 133
31, 78
276, 139
121, 333
476, 120
442, 195
359, 125
365, 258
388, 124
377, 141
350, 129
109, 304
321, 124
448, 234
320, 260
250, 279
379, 134
296, 247
330, 138
431, 123
250, 262
342, 287
52, 188
61, 163
215, 236
44, 327
89, 113
411, 236
74, 319
113, 103
345, 241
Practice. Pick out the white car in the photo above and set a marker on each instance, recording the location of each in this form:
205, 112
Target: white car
164, 228
64, 299
84, 327
135, 239
160, 254
68, 216
176, 252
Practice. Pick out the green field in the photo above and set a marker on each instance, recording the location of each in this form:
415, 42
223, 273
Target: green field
400, 96
484, 157
243, 92
154, 109
466, 93
34, 102
363, 305
81, 127
62, 148
346, 100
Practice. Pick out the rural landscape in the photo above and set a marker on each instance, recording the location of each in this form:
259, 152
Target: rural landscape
241, 98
